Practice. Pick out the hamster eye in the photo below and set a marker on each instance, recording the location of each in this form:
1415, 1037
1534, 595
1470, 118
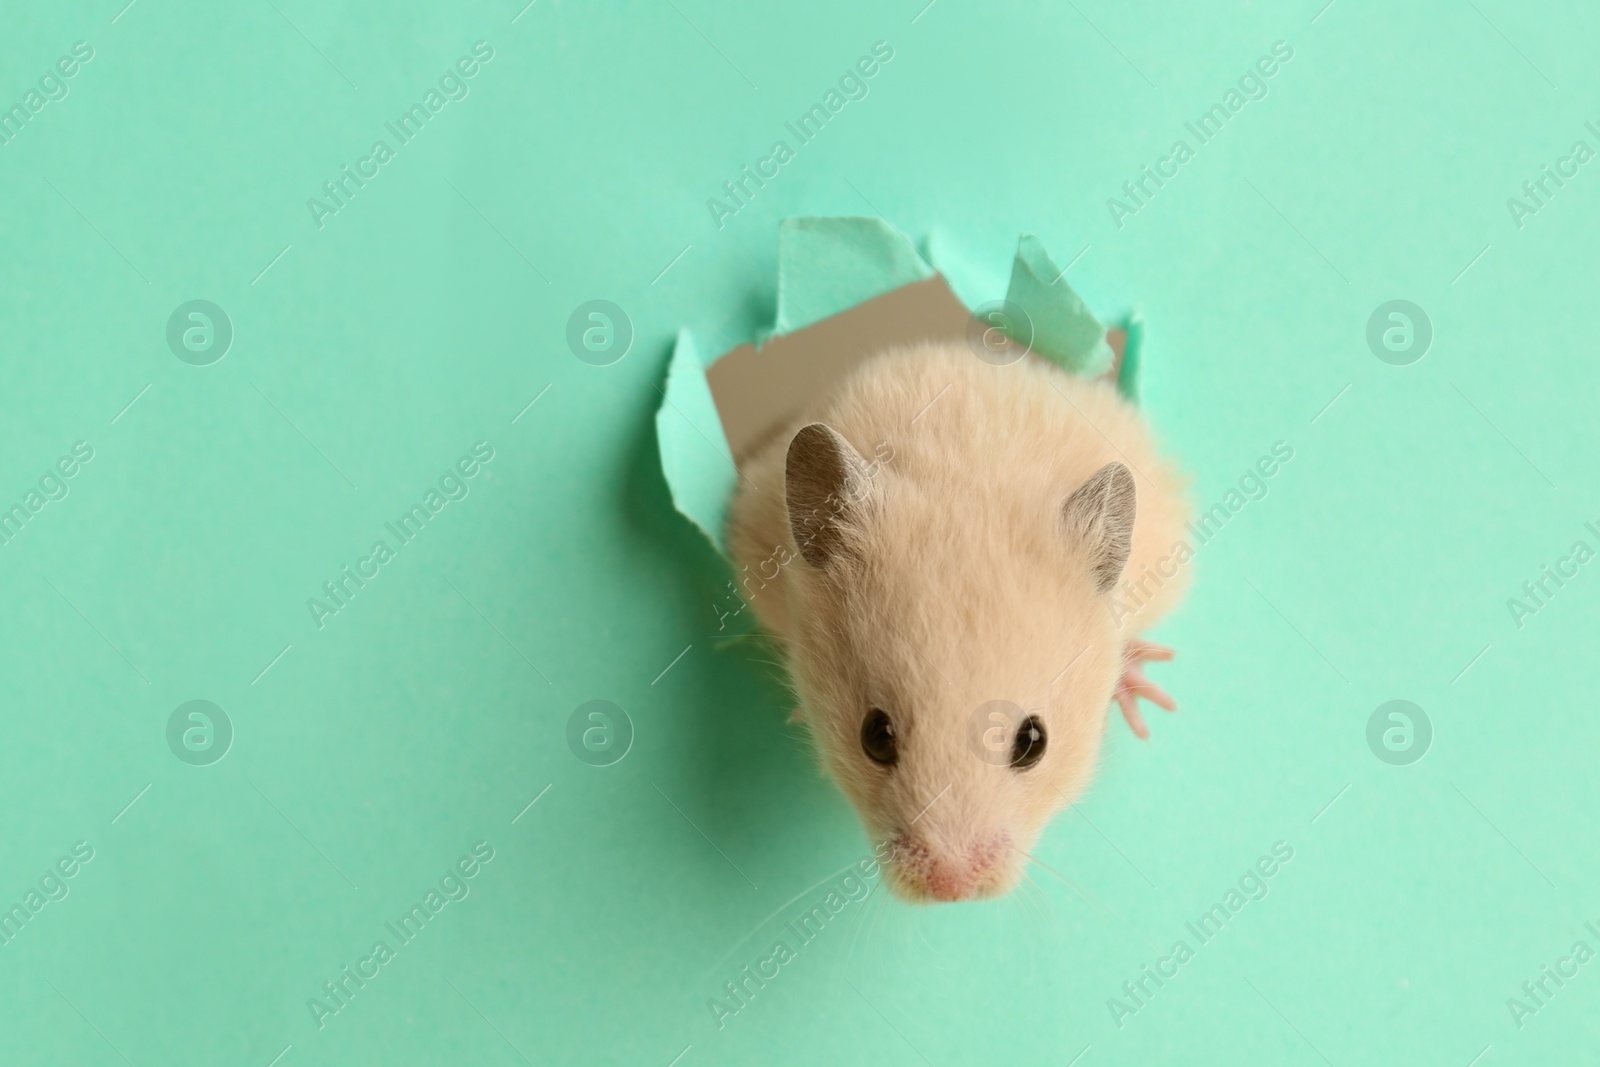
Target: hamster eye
877, 738
1028, 747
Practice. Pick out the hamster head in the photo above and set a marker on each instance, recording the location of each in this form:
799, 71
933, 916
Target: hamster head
954, 655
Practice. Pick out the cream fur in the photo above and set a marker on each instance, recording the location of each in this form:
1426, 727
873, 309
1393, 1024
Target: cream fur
961, 586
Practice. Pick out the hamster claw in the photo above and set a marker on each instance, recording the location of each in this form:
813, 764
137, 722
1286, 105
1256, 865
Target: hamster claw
1130, 711
1133, 684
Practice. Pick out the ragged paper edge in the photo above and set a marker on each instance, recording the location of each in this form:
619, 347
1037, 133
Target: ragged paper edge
827, 266
968, 277
1129, 374
1064, 330
695, 457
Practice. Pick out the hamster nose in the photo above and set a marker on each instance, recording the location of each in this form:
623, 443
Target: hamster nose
952, 874
950, 882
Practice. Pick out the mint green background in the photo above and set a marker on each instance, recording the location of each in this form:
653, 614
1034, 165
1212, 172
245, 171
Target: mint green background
412, 726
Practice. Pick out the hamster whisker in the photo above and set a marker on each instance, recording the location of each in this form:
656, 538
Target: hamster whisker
1038, 896
860, 921
879, 912
1032, 899
1106, 912
1052, 913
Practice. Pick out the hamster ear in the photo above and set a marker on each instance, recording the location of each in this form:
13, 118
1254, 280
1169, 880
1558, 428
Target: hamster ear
1100, 514
825, 483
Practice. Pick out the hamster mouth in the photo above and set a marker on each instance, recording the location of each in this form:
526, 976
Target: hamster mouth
921, 874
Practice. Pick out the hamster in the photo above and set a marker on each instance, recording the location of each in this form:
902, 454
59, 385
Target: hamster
950, 538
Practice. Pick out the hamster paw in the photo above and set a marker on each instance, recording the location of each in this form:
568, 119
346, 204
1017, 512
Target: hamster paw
1133, 684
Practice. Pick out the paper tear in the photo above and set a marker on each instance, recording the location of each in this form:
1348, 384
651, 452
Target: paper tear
1065, 331
1128, 375
965, 275
695, 457
829, 265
